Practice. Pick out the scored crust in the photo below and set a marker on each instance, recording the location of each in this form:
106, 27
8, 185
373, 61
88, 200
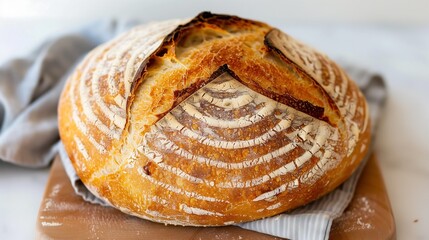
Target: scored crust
211, 121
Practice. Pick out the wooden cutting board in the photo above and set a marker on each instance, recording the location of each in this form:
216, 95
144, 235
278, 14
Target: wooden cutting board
64, 215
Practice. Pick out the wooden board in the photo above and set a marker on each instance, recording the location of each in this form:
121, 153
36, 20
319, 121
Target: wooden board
64, 215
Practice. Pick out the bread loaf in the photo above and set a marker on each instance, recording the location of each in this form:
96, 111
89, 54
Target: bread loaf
211, 121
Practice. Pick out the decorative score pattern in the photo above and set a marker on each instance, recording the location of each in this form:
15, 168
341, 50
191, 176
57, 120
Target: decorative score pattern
204, 120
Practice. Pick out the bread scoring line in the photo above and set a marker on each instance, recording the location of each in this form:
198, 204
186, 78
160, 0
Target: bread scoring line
177, 190
228, 104
171, 122
309, 59
238, 123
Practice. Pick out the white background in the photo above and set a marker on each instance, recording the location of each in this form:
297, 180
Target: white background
390, 37
348, 11
30, 21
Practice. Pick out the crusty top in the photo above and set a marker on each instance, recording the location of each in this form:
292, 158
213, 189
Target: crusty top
211, 121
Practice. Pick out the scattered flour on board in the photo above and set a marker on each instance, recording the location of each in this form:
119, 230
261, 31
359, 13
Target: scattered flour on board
358, 216
48, 202
51, 224
55, 190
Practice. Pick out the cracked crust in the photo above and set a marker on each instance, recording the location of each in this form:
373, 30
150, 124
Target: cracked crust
211, 121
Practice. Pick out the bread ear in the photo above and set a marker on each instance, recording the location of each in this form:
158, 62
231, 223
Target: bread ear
347, 102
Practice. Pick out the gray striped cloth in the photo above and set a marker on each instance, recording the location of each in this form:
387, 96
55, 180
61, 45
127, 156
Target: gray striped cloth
29, 92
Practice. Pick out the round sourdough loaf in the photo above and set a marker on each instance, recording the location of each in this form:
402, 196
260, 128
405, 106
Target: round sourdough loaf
211, 121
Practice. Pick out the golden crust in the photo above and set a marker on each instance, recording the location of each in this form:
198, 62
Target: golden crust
213, 122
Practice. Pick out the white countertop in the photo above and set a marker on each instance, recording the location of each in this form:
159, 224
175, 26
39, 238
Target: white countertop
400, 54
